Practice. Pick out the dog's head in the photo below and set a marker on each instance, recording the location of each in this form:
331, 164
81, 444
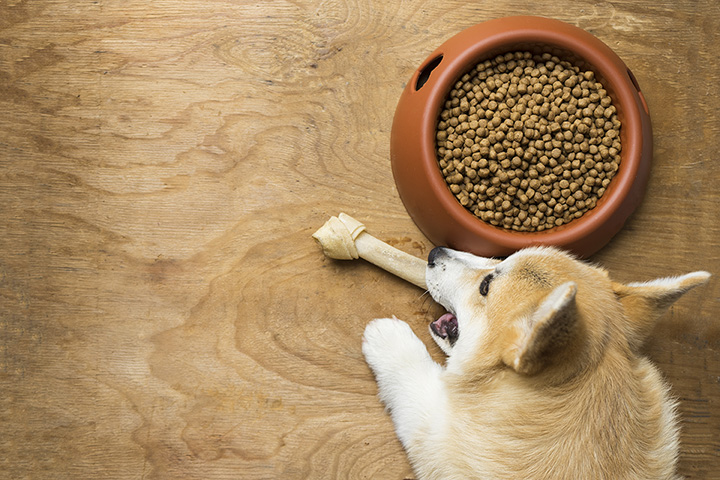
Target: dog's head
540, 307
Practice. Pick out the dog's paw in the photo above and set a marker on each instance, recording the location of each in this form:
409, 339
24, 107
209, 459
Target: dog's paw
389, 345
409, 381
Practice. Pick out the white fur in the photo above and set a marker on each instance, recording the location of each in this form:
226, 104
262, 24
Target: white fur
676, 281
409, 380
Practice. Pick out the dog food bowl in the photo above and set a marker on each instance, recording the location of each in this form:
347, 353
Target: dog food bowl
420, 183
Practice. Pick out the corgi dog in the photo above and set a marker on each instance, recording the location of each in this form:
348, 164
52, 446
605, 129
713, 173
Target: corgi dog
544, 378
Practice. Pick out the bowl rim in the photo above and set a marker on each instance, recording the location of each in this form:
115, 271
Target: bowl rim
488, 39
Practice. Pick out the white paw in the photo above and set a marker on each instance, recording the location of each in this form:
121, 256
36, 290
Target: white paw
390, 345
409, 381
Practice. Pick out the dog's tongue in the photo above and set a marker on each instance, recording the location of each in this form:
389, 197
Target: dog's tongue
445, 326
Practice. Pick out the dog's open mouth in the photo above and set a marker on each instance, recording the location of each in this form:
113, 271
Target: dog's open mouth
446, 327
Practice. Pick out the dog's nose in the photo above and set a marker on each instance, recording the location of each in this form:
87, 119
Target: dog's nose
434, 254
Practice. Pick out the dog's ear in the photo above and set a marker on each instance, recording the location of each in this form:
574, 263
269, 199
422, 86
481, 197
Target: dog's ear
644, 303
547, 330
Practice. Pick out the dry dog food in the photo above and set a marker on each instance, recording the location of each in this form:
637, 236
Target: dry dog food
528, 141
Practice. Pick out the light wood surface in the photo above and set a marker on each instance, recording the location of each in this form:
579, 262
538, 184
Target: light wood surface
164, 311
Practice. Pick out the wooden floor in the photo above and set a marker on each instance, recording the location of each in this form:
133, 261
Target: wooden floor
164, 312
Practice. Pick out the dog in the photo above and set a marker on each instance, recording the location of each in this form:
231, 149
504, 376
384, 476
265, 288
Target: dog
543, 377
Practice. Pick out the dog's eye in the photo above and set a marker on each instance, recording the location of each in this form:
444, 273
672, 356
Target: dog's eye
485, 285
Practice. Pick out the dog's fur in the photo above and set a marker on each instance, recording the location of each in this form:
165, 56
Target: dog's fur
543, 378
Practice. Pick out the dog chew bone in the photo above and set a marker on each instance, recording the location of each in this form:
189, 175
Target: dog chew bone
344, 238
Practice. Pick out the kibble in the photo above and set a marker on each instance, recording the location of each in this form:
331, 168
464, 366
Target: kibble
528, 142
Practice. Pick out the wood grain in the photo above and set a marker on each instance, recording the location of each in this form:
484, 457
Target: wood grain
164, 312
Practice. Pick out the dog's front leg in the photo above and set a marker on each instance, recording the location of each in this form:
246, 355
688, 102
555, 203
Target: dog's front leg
409, 381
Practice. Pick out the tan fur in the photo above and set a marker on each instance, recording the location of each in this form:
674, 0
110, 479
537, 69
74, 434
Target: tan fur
553, 386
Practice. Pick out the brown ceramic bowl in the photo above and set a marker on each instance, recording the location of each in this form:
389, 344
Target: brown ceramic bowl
421, 186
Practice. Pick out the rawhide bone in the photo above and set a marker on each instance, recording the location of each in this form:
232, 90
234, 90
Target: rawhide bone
344, 238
